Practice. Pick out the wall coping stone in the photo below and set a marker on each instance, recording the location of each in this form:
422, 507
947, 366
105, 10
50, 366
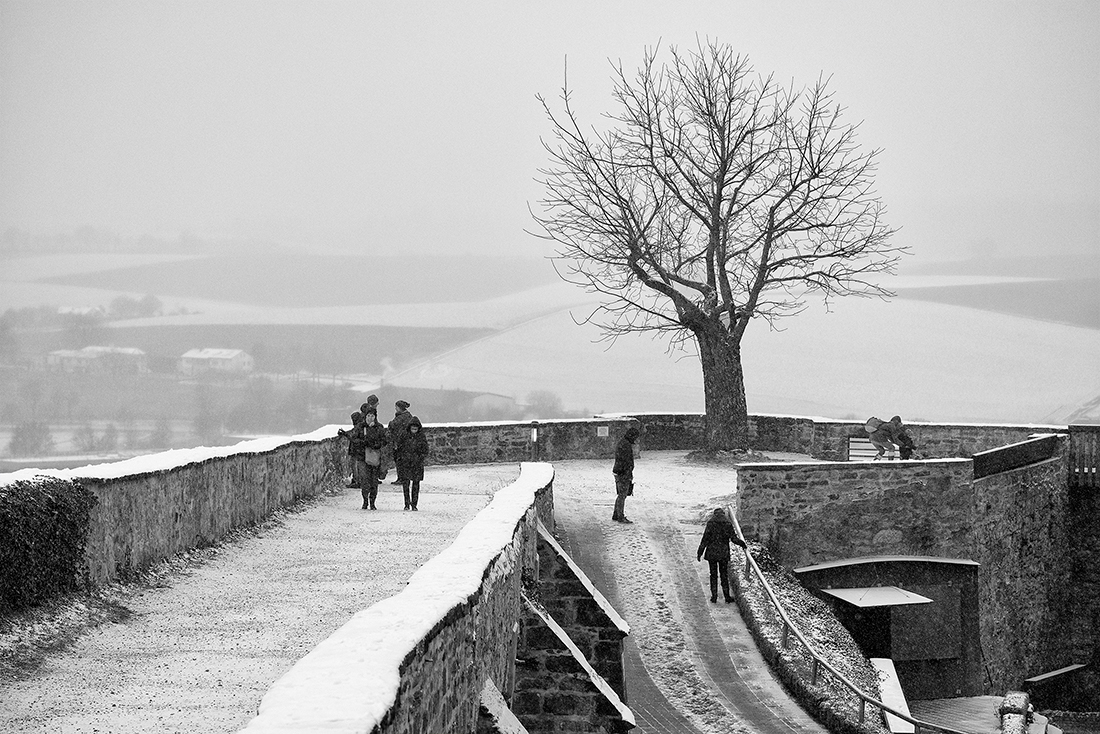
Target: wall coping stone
350, 681
616, 619
597, 680
495, 714
173, 459
787, 465
843, 421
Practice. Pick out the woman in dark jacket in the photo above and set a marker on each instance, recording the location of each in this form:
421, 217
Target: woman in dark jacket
374, 440
410, 462
715, 546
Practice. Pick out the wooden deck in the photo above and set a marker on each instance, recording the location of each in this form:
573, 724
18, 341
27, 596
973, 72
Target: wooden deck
975, 714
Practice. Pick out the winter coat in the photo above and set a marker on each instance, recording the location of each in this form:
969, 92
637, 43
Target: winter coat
414, 450
624, 455
399, 430
374, 438
719, 533
356, 442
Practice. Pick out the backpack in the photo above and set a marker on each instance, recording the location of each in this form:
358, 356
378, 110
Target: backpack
872, 424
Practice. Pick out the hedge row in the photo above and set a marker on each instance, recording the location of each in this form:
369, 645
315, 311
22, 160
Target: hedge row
43, 532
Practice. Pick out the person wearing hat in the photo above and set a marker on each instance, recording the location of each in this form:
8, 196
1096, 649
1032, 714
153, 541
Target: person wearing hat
715, 547
399, 430
410, 469
624, 473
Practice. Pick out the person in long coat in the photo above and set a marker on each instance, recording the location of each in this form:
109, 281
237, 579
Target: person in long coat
623, 469
715, 547
399, 430
374, 440
410, 462
356, 453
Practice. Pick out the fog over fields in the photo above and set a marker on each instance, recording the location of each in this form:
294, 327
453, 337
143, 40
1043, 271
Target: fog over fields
513, 330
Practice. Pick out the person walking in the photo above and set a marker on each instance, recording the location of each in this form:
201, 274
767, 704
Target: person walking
624, 473
374, 440
399, 430
715, 547
410, 468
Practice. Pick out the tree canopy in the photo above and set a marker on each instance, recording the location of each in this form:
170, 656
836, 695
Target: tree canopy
711, 196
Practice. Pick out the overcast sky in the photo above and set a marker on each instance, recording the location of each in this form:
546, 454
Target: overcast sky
407, 125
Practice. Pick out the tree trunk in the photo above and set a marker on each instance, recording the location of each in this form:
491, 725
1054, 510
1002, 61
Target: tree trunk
727, 415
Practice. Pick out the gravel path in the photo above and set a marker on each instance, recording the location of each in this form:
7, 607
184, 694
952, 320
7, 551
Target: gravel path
197, 654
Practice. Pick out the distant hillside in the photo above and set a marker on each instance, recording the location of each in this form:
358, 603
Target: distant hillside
297, 280
1073, 302
1080, 265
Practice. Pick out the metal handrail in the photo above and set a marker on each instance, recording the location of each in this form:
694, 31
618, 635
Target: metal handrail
818, 660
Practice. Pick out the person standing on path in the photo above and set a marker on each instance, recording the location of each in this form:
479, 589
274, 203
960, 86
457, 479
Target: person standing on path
715, 547
624, 473
410, 469
399, 430
355, 451
374, 440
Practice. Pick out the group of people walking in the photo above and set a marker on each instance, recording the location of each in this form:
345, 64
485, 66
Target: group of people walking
373, 448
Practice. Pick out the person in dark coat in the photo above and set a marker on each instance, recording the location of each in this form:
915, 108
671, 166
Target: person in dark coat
355, 449
399, 430
410, 468
374, 440
624, 473
889, 433
715, 547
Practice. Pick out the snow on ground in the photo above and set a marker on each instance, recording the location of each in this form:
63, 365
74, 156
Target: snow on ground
923, 361
202, 647
198, 648
671, 500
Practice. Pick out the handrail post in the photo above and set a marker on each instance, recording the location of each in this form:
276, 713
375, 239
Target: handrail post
813, 672
862, 709
786, 631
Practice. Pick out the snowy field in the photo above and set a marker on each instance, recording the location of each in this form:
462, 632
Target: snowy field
922, 360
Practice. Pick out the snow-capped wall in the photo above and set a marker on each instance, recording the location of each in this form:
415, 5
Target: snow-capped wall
418, 661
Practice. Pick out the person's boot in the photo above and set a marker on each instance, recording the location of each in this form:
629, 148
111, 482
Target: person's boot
415, 495
714, 591
405, 491
366, 500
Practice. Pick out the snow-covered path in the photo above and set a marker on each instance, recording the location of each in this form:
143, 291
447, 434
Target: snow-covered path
197, 653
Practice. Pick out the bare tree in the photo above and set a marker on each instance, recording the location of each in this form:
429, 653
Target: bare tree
712, 196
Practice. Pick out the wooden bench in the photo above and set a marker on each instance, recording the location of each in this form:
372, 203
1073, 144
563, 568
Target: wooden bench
861, 449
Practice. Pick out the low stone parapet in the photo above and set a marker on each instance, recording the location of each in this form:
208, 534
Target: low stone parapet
418, 661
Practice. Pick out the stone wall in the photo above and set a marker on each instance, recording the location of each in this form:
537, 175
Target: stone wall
418, 661
556, 687
809, 513
582, 611
828, 439
494, 442
144, 518
1021, 536
1036, 541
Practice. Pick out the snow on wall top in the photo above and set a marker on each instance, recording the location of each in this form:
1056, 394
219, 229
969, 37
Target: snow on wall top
350, 680
168, 459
